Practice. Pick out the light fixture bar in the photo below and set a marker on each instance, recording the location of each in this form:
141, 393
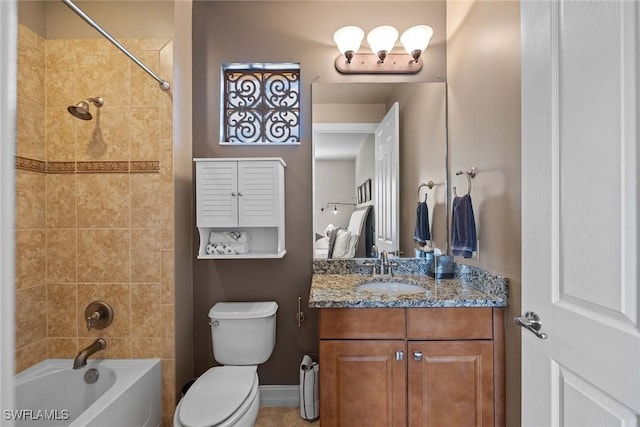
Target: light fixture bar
367, 63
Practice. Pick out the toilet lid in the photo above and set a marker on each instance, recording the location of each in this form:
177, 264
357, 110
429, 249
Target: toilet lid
216, 395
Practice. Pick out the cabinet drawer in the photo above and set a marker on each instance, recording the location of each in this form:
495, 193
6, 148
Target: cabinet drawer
362, 323
438, 323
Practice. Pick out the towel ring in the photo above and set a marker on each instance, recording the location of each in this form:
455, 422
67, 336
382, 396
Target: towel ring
429, 184
471, 173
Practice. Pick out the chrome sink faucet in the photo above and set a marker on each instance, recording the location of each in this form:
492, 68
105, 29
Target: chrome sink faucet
384, 263
81, 358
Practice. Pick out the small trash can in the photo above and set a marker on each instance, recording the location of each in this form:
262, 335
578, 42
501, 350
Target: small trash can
309, 397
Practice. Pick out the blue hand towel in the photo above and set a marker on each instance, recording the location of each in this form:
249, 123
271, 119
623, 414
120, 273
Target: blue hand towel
422, 233
463, 227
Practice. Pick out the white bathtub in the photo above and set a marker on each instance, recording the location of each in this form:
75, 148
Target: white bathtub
52, 393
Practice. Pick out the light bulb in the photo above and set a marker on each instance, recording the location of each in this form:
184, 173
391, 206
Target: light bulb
381, 40
348, 40
416, 39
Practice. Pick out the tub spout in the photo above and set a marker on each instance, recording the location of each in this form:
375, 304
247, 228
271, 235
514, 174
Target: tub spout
81, 358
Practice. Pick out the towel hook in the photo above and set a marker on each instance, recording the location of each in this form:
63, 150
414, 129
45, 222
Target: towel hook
471, 173
429, 184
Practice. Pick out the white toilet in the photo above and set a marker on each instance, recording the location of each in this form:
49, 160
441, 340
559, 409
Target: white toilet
243, 335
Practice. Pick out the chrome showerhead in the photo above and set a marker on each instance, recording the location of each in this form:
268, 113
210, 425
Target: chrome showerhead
81, 109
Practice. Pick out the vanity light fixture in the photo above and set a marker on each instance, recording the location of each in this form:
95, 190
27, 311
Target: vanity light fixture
381, 41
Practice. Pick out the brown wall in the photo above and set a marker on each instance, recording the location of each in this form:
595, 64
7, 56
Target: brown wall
230, 31
483, 70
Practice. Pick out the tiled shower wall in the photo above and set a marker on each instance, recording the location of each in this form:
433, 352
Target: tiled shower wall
94, 201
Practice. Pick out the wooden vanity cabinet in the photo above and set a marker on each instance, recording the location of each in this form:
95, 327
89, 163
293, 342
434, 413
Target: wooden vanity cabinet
363, 371
412, 367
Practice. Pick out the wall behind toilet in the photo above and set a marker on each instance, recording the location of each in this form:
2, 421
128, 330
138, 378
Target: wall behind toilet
230, 31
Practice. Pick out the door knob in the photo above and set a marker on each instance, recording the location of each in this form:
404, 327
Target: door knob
417, 356
399, 355
531, 321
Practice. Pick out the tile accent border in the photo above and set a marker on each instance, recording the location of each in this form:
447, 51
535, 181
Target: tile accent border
32, 165
133, 166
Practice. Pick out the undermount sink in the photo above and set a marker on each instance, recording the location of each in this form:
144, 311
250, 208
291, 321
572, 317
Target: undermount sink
391, 288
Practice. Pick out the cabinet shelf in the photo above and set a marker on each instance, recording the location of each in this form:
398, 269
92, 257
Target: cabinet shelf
250, 255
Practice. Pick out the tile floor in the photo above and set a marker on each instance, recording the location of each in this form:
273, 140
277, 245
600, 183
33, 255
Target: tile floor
282, 417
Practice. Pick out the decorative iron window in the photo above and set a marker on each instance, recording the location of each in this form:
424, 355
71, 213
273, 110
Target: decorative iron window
260, 104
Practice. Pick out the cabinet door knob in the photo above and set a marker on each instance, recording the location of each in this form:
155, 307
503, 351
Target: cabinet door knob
233, 193
239, 193
399, 355
417, 355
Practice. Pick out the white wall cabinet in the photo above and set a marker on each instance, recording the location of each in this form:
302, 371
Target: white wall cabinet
241, 194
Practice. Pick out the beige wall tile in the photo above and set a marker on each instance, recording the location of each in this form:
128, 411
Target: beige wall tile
61, 200
117, 295
91, 46
103, 200
167, 420
103, 255
106, 137
60, 135
30, 141
168, 316
166, 201
31, 258
30, 200
63, 348
146, 347
31, 68
145, 255
104, 74
168, 348
144, 88
167, 279
61, 255
153, 44
145, 200
56, 45
61, 80
166, 166
168, 386
26, 37
31, 325
166, 116
146, 313
144, 131
30, 355
62, 310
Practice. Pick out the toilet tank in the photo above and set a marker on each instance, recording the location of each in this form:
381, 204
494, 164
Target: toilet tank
243, 333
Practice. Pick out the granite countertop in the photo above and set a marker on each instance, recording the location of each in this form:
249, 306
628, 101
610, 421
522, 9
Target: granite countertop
467, 289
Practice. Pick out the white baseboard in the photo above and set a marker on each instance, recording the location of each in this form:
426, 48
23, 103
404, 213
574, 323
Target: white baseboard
280, 395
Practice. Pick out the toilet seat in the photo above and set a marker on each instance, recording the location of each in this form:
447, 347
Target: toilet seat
219, 396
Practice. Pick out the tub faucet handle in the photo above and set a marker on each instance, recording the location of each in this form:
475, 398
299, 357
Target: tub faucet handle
99, 315
95, 316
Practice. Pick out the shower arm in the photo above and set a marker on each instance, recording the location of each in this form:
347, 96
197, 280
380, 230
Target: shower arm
164, 85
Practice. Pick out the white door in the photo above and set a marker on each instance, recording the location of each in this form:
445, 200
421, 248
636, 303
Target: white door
386, 183
580, 219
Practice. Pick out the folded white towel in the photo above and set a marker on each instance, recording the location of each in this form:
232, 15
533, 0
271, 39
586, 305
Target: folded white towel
227, 248
228, 237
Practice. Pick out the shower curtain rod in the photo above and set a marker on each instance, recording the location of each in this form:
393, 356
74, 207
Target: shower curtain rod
164, 85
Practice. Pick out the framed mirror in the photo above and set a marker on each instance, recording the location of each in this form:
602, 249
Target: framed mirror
358, 186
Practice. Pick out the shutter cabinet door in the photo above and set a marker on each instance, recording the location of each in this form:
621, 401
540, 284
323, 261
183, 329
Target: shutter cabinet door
258, 194
217, 189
